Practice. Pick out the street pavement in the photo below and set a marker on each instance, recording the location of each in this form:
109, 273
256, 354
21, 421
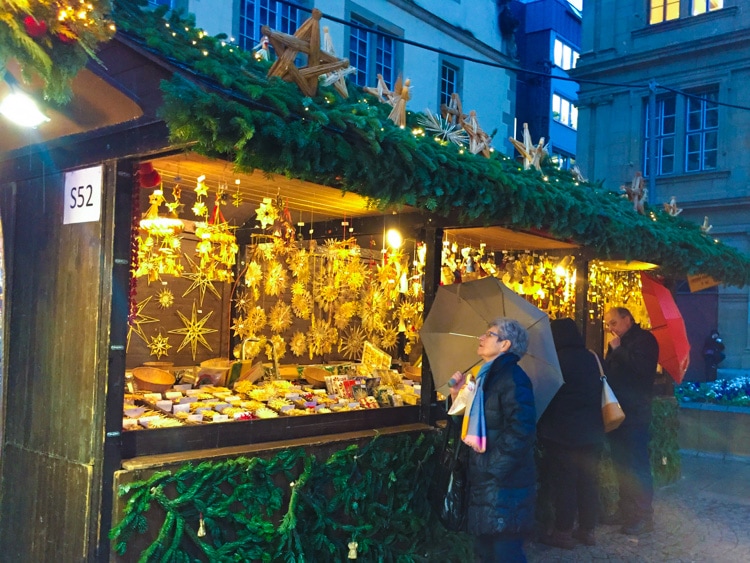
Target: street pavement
704, 517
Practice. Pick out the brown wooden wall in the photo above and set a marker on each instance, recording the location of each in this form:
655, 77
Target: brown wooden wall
59, 300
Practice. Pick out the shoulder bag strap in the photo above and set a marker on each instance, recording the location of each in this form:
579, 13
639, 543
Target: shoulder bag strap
599, 363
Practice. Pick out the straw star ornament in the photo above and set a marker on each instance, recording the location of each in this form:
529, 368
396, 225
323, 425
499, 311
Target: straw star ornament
194, 330
140, 319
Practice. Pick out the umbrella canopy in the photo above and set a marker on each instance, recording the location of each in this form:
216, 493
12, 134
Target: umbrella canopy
462, 311
667, 326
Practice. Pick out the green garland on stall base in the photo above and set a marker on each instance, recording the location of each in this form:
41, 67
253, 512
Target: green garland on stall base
295, 507
223, 106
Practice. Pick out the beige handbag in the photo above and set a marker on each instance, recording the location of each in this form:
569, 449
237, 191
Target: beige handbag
612, 413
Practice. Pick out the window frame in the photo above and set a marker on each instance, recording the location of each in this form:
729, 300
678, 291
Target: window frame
260, 10
571, 60
700, 103
663, 6
662, 138
456, 65
379, 47
705, 7
567, 114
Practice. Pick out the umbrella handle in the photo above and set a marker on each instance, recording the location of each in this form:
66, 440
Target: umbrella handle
452, 382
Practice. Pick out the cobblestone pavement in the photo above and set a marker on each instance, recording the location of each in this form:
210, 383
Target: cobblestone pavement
703, 518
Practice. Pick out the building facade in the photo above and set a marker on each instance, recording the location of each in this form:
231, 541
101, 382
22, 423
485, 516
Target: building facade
674, 71
388, 37
548, 39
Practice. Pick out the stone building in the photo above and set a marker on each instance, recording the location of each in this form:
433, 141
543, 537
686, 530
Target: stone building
690, 59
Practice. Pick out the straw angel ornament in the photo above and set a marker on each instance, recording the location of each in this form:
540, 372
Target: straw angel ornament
636, 192
337, 77
672, 208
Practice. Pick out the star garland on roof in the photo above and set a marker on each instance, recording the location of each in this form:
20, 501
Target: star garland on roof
305, 40
194, 330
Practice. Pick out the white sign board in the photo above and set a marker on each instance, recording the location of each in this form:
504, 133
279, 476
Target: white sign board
83, 195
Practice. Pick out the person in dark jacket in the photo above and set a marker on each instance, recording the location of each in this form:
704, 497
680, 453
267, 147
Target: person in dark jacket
630, 367
713, 354
572, 433
502, 477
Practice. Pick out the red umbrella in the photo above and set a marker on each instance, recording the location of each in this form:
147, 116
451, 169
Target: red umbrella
667, 326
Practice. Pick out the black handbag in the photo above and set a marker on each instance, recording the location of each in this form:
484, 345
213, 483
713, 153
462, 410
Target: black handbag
448, 492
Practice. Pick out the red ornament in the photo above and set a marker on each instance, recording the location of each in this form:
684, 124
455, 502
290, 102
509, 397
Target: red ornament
67, 39
35, 28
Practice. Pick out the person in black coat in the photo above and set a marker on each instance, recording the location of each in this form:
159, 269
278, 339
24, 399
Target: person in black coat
571, 432
713, 354
630, 366
502, 479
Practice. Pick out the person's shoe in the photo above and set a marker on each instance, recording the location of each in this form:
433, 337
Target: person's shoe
616, 518
559, 539
586, 537
642, 526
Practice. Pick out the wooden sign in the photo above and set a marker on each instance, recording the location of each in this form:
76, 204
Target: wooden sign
701, 281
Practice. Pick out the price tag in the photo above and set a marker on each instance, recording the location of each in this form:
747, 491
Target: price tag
83, 195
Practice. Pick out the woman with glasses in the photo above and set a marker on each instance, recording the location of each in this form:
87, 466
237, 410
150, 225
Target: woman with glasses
501, 429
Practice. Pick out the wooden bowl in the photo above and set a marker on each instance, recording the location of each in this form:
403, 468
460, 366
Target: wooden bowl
160, 365
315, 376
153, 379
413, 373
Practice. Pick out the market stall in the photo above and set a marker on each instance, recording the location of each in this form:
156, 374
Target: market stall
88, 300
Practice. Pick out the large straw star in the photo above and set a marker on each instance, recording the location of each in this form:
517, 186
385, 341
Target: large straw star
305, 40
140, 319
201, 282
159, 346
194, 331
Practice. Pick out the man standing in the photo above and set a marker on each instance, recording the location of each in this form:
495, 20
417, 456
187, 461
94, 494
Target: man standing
631, 369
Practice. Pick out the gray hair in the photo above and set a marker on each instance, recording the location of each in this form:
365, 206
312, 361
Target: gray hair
511, 329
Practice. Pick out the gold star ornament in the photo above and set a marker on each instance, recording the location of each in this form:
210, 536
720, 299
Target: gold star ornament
194, 330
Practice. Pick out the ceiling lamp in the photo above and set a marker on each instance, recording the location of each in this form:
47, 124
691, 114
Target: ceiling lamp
159, 244
20, 108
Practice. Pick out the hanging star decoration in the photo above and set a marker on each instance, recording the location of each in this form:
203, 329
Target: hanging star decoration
381, 91
237, 196
479, 141
200, 281
444, 130
672, 208
201, 190
266, 213
138, 320
453, 111
194, 330
175, 206
337, 78
532, 154
165, 298
243, 301
305, 40
636, 192
705, 227
159, 346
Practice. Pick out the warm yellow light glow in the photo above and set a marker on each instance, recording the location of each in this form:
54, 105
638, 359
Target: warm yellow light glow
394, 238
22, 110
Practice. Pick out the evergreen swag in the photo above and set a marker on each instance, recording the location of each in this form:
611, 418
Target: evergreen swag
295, 507
223, 106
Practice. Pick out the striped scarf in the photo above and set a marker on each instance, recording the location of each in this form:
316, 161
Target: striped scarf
473, 429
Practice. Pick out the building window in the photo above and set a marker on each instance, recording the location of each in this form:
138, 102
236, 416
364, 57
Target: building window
565, 56
701, 132
371, 53
664, 137
663, 10
703, 6
449, 82
256, 13
563, 161
564, 111
577, 4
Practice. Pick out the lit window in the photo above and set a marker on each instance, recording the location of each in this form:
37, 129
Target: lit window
371, 53
701, 132
664, 138
449, 75
565, 56
664, 10
256, 13
563, 161
577, 4
703, 6
564, 111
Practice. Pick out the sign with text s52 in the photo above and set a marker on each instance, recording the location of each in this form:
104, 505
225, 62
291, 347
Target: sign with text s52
83, 195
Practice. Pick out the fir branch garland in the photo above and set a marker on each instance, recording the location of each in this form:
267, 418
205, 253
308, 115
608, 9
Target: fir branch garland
228, 109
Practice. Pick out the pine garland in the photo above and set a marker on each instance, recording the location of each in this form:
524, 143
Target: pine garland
228, 109
295, 507
52, 40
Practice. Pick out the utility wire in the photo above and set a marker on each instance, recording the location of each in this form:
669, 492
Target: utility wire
513, 68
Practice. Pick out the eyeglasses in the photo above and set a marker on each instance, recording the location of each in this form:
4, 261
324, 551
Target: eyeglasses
488, 334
